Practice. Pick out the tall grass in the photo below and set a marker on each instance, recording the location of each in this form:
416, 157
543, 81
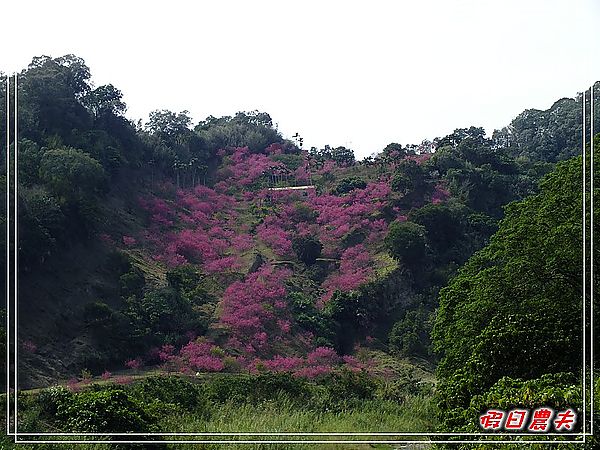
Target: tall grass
282, 414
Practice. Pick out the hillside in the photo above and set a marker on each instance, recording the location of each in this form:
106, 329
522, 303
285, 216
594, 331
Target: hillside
228, 248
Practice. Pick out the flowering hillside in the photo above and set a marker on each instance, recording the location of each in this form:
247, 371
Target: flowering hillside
183, 245
222, 229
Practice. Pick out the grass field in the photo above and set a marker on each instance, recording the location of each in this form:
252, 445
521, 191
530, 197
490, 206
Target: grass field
416, 414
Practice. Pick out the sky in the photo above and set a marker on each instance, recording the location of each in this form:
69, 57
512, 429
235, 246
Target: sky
356, 73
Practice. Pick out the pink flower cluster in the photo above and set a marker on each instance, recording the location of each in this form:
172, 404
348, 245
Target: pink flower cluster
275, 237
353, 364
198, 206
129, 241
123, 380
323, 356
338, 216
355, 268
209, 238
302, 173
134, 364
166, 352
223, 264
244, 168
283, 363
201, 355
251, 309
73, 385
159, 211
274, 149
106, 239
320, 361
420, 159
328, 166
314, 371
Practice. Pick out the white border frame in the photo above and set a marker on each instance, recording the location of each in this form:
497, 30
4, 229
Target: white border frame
514, 436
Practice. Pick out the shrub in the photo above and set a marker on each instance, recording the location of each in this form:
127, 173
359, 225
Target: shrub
129, 241
347, 384
557, 391
173, 390
118, 261
97, 314
253, 305
189, 283
256, 388
356, 267
342, 390
201, 355
103, 411
133, 364
132, 282
51, 399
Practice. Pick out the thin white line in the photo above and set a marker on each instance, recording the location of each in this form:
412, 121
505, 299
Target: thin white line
583, 319
7, 253
592, 256
302, 441
16, 247
298, 434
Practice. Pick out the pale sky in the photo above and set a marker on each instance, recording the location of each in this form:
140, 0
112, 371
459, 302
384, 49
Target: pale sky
355, 73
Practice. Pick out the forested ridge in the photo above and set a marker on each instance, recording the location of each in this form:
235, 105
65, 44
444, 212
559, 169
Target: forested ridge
443, 276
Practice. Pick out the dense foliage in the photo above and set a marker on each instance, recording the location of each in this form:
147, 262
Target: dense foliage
514, 310
161, 403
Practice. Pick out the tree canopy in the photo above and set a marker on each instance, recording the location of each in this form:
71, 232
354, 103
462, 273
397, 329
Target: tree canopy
514, 309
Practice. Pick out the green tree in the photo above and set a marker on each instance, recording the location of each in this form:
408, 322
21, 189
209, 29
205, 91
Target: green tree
30, 156
515, 308
50, 99
407, 242
452, 234
349, 184
253, 129
169, 126
396, 151
71, 174
477, 174
410, 335
163, 315
105, 99
548, 135
190, 284
413, 181
401, 183
176, 149
341, 155
41, 225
